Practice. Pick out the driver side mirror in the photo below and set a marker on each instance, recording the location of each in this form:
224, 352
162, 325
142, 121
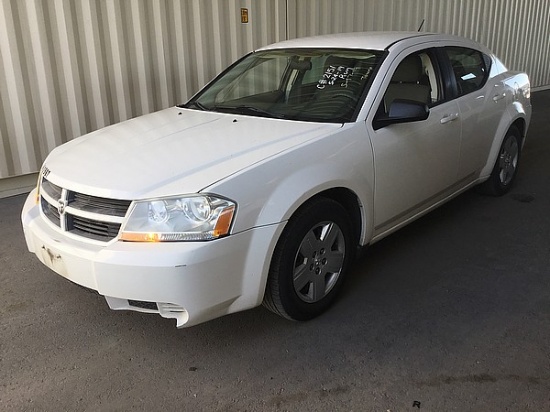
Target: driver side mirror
402, 111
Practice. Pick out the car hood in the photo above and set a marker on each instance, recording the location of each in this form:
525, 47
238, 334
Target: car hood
173, 151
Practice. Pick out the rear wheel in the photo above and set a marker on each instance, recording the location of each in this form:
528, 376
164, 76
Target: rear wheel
310, 261
506, 166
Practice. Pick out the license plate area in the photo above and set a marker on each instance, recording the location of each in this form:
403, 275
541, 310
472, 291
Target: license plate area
53, 259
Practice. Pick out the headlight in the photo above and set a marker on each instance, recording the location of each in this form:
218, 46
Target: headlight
176, 219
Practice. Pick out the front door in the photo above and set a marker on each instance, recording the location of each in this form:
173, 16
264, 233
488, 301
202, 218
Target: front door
415, 163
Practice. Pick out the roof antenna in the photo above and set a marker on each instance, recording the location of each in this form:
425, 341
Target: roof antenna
421, 24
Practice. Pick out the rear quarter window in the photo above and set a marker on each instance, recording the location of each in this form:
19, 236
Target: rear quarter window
470, 68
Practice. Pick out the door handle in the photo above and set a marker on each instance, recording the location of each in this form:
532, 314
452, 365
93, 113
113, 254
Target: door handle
498, 97
449, 118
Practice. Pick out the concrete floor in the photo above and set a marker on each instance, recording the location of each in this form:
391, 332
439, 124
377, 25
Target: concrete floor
450, 313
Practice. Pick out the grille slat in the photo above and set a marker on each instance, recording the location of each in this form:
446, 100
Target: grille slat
53, 190
92, 228
99, 205
50, 211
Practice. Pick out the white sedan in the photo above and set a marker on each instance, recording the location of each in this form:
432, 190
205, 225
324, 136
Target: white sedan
261, 187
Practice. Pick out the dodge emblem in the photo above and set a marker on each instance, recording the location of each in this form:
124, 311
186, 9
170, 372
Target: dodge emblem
61, 205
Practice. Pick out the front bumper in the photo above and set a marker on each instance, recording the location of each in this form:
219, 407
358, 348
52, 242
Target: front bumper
191, 282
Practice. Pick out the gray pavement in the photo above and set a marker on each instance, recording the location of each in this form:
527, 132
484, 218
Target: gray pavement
451, 313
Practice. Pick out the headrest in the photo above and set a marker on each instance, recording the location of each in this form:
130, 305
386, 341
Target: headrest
409, 70
301, 66
339, 61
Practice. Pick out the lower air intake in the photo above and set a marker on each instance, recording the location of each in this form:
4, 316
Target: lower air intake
143, 304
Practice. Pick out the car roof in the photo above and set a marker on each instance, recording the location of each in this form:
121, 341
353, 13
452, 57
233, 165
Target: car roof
373, 40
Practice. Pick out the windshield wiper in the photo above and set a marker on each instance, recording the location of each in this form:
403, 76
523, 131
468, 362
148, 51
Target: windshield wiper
197, 105
244, 109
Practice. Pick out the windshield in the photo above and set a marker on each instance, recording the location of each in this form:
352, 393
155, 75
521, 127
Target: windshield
321, 85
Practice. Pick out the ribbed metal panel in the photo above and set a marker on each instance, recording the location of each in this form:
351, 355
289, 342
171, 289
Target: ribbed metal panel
69, 67
516, 30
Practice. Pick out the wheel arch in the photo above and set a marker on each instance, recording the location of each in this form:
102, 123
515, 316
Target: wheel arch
521, 124
350, 201
358, 211
346, 197
280, 295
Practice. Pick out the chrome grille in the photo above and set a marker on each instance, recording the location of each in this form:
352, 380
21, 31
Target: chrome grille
83, 215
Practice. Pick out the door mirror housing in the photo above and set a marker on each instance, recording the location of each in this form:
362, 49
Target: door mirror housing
402, 111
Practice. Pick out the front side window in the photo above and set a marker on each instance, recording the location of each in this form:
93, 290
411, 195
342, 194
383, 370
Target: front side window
322, 85
469, 67
416, 78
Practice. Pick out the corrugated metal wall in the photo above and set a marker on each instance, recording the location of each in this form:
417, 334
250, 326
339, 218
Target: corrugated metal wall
518, 31
72, 66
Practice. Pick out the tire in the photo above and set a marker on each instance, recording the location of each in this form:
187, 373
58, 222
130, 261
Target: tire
506, 167
310, 261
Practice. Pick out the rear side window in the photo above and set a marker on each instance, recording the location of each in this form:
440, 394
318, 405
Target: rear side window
469, 67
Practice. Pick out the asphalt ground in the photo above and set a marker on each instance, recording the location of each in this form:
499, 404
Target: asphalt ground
452, 313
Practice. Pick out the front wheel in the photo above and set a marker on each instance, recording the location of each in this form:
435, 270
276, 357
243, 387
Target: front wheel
506, 166
310, 261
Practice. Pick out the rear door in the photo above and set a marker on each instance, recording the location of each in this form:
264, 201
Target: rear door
481, 101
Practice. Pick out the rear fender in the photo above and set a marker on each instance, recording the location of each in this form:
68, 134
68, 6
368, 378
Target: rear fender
518, 112
503, 127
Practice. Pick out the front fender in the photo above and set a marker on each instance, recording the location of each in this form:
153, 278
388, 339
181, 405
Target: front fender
271, 191
296, 189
